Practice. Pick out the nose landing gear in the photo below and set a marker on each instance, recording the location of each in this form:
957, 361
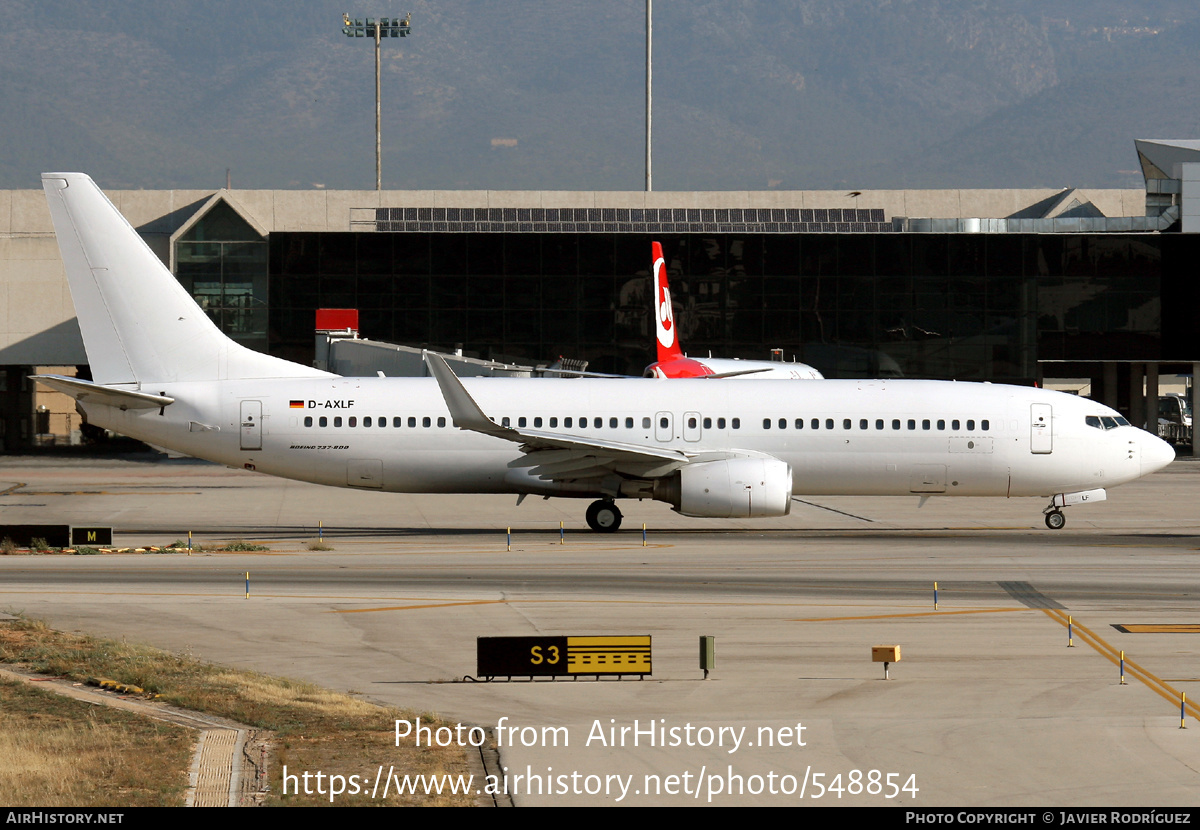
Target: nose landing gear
603, 516
1055, 520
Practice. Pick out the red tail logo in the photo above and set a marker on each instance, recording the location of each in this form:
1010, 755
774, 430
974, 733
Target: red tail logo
664, 321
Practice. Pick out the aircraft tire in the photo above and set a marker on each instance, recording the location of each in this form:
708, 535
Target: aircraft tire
1055, 520
603, 516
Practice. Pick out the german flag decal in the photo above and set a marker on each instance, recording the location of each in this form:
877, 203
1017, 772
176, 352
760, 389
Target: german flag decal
296, 405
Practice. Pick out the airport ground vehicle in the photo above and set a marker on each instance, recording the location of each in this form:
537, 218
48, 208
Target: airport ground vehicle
1175, 419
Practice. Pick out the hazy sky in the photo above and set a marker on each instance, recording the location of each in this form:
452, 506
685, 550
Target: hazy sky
749, 94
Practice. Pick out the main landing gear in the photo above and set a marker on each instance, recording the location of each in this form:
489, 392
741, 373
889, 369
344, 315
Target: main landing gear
1055, 520
603, 516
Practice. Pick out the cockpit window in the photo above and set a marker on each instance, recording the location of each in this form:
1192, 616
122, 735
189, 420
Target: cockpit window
1106, 422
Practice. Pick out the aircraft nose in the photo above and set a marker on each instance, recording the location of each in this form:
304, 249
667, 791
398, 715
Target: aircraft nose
1156, 454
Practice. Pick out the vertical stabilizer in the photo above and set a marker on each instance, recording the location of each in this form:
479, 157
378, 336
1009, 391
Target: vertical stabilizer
664, 314
138, 323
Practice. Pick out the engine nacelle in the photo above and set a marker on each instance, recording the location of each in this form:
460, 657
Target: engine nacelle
735, 488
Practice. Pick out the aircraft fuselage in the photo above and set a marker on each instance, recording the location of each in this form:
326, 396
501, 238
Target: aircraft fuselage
838, 437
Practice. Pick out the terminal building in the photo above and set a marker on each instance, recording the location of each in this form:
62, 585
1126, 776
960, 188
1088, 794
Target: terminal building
1014, 286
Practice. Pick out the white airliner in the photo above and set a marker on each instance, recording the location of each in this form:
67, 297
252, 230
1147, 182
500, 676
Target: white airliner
673, 363
165, 374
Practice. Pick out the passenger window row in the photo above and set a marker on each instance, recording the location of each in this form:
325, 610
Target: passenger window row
613, 423
368, 421
940, 424
537, 422
569, 422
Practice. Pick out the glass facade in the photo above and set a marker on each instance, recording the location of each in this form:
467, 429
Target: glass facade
222, 261
966, 306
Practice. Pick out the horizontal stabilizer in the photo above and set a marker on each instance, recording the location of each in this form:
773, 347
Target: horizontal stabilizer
85, 391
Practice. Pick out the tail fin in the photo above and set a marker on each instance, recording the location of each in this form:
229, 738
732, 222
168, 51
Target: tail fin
664, 315
138, 323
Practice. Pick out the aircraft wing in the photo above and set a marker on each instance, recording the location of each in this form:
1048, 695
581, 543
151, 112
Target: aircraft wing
554, 455
578, 374
738, 373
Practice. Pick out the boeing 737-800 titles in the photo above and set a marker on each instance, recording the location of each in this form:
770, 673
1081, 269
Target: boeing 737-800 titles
673, 363
163, 372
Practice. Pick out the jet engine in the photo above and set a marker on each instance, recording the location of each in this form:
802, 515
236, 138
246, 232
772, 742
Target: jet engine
733, 488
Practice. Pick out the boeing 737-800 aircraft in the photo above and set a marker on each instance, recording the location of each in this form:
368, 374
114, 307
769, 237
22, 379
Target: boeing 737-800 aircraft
673, 363
162, 372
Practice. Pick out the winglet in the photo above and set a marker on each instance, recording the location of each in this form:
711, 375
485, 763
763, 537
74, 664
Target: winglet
464, 412
664, 314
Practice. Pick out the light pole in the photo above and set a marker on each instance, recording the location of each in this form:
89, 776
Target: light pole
649, 64
385, 27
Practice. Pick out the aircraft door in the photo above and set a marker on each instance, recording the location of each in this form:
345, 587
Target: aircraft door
365, 472
251, 425
664, 426
1041, 430
691, 426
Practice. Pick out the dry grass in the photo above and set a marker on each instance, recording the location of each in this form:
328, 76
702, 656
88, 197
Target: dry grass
66, 753
269, 690
315, 729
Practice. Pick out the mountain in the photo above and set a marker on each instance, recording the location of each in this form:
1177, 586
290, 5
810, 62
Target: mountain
792, 94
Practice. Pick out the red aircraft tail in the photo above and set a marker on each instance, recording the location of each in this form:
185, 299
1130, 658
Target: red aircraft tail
664, 314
